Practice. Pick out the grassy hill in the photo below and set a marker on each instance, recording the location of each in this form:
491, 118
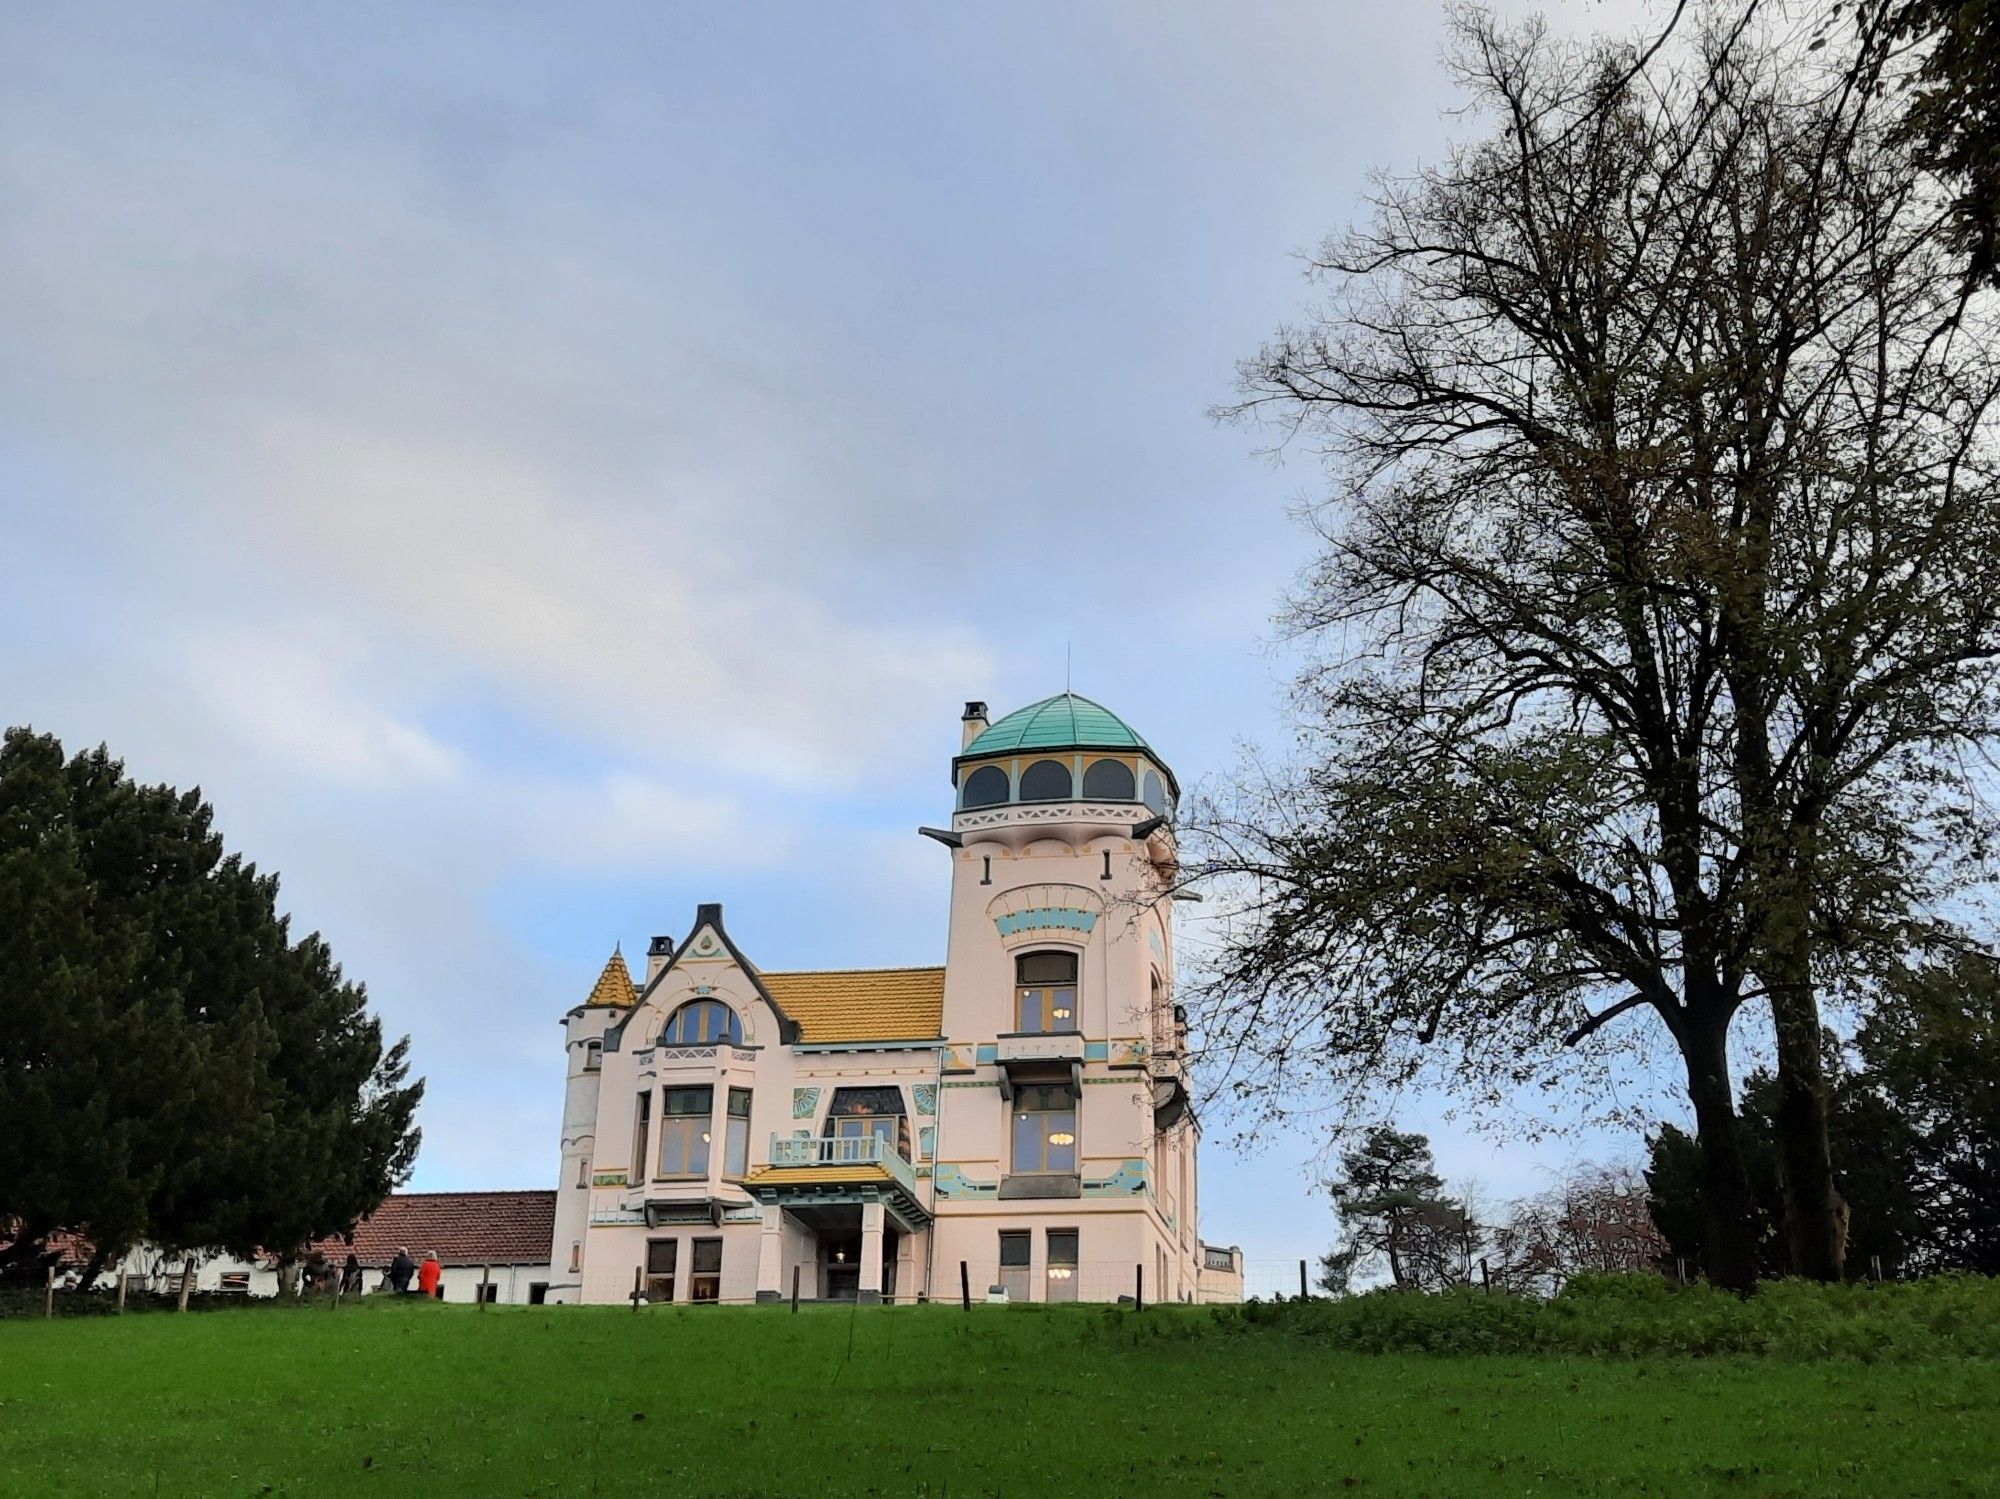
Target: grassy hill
437, 1401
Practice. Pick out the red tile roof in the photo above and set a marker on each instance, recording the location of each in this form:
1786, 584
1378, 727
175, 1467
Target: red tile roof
464, 1228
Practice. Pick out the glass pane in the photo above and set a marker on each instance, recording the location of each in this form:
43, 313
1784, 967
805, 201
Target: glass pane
1108, 781
739, 1103
1027, 1142
660, 1256
985, 787
1062, 1246
1014, 1249
1062, 1141
1028, 1010
707, 1256
1062, 1009
1156, 793
1046, 781
737, 1161
1045, 968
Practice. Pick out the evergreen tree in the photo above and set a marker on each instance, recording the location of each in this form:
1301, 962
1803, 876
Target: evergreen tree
1393, 1208
173, 1067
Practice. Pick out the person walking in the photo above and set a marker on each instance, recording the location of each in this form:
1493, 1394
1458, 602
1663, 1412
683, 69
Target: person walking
429, 1276
401, 1268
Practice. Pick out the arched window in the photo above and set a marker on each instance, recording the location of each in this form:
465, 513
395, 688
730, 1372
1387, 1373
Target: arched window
1156, 792
702, 1022
1046, 781
985, 787
1045, 992
1108, 781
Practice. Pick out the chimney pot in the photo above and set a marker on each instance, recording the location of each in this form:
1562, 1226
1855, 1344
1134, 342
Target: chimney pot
975, 722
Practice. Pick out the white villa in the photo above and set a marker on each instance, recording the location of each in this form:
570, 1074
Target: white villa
1015, 1121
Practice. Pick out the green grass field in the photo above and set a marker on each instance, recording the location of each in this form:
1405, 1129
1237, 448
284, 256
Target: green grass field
443, 1401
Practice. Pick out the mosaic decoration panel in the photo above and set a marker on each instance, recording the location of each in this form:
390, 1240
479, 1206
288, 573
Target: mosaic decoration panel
1046, 918
804, 1102
925, 1095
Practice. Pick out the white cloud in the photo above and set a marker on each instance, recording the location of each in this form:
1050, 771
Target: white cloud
283, 698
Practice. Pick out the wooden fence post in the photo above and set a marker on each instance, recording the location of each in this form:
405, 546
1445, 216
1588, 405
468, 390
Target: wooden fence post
1304, 1290
795, 1290
49, 1305
1485, 1275
1139, 1286
121, 1290
964, 1285
187, 1283
485, 1277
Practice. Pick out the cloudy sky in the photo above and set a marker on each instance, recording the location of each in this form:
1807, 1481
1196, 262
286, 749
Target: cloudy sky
537, 468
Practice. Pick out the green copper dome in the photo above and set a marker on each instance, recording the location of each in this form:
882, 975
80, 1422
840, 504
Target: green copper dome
1064, 721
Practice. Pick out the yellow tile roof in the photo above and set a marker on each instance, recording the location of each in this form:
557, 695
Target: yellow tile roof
614, 985
862, 1004
777, 1176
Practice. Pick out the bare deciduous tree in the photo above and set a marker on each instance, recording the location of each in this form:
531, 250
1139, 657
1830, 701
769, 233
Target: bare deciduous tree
1654, 609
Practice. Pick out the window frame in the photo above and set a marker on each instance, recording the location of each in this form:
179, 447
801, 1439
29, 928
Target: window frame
1130, 783
655, 1276
690, 1131
1062, 1287
1017, 1280
1044, 992
593, 1056
700, 1280
965, 788
642, 1134
704, 1008
736, 1135
1047, 1126
1068, 771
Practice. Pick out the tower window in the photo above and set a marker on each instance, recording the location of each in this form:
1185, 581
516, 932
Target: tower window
1045, 992
985, 787
1046, 781
1108, 781
593, 1056
703, 1022
1156, 792
1045, 1130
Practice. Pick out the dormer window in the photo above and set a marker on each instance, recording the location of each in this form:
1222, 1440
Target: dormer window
702, 1022
1045, 992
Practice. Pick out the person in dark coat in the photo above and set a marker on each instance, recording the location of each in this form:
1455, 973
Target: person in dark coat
401, 1268
350, 1275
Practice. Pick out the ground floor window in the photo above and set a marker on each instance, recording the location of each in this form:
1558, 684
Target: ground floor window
234, 1283
1016, 1248
705, 1270
661, 1255
538, 1293
1062, 1266
489, 1292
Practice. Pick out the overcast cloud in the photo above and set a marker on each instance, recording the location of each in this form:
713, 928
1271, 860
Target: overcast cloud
538, 468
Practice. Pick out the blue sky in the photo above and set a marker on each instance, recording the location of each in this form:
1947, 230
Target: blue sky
537, 468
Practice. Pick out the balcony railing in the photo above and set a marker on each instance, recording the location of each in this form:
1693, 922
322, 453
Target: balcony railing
845, 1150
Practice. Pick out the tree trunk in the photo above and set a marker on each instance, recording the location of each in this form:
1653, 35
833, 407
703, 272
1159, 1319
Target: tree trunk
288, 1278
1815, 1213
1729, 1248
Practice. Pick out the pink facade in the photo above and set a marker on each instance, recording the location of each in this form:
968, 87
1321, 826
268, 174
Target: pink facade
1014, 1121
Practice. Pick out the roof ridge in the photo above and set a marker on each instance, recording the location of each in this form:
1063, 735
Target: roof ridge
881, 968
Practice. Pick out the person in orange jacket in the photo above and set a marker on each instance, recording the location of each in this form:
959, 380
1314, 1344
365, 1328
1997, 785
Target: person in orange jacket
429, 1274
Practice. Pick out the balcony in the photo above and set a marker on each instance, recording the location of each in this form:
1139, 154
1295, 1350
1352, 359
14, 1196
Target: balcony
818, 1171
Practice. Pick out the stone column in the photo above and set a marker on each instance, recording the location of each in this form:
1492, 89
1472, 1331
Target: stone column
771, 1255
871, 1251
